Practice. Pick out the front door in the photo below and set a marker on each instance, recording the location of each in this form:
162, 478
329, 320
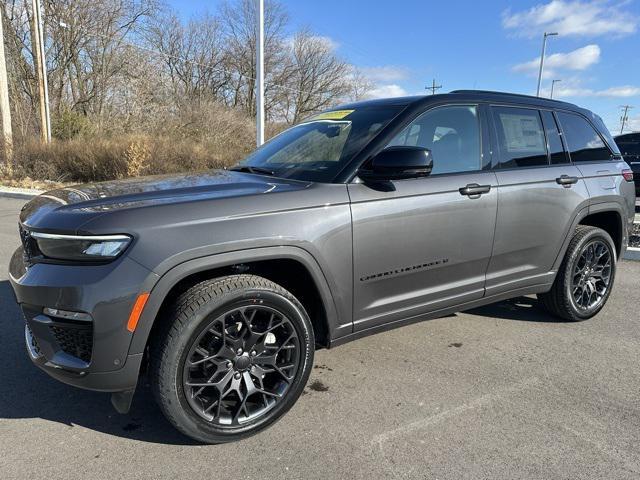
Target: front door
425, 244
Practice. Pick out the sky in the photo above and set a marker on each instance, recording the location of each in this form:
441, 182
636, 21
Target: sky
401, 46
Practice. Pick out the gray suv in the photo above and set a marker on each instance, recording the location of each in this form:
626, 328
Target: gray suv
221, 285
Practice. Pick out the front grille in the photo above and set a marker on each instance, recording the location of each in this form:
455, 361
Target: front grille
75, 340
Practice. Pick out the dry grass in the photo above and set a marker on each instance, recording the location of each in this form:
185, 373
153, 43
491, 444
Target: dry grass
200, 138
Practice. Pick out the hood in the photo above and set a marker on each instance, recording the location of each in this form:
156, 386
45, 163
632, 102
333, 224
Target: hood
68, 208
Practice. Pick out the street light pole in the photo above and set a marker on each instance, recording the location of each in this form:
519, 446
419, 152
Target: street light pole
260, 74
553, 82
544, 47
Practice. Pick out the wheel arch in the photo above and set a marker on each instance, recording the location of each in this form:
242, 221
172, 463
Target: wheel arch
291, 267
607, 217
597, 215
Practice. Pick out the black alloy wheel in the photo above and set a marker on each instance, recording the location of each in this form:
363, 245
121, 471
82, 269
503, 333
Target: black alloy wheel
231, 357
591, 275
241, 365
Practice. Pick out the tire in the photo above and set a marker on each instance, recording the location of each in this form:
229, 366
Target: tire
566, 299
220, 366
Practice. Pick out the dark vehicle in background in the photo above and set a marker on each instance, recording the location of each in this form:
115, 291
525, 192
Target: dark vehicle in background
221, 285
629, 145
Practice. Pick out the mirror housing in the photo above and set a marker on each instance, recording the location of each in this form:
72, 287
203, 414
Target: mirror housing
400, 162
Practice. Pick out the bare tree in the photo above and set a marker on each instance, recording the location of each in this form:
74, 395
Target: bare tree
192, 55
319, 78
130, 65
238, 20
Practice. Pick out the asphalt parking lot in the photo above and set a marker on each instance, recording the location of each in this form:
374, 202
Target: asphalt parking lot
498, 392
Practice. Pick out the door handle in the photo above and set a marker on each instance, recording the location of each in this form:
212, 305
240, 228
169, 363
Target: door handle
566, 180
474, 190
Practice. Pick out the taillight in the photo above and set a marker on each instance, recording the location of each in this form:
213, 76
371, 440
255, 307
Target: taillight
628, 175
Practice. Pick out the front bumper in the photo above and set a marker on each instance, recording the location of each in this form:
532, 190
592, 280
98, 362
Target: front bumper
92, 353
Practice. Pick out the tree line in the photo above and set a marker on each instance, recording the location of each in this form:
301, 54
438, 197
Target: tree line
129, 65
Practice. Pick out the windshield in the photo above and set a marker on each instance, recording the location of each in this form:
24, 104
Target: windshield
318, 148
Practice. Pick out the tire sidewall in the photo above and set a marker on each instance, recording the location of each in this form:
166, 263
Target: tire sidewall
189, 421
596, 234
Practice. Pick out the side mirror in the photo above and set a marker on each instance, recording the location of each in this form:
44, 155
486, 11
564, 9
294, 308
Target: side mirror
396, 163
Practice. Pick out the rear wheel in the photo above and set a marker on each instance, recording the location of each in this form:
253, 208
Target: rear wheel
585, 279
234, 356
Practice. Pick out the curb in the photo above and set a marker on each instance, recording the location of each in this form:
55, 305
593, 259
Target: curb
632, 253
19, 193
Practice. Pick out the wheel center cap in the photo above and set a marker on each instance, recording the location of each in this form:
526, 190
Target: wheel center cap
242, 363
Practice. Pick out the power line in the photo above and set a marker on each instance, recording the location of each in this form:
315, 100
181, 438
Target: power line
433, 87
625, 117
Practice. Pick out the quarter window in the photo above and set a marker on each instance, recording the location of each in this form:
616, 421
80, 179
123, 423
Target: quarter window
584, 143
451, 133
520, 137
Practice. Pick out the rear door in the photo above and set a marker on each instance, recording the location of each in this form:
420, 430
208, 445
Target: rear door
424, 244
539, 192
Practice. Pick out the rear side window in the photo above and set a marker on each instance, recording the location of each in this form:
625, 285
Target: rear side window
556, 150
520, 137
583, 142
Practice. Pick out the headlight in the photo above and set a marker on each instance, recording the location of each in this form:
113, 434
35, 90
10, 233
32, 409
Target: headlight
81, 248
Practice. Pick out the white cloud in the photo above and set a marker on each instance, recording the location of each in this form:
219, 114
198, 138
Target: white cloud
384, 91
385, 73
573, 88
328, 41
634, 124
622, 92
576, 60
588, 18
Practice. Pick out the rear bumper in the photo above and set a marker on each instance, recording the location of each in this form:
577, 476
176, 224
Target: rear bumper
92, 353
635, 167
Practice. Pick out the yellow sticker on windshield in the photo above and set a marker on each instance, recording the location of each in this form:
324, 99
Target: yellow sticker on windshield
334, 115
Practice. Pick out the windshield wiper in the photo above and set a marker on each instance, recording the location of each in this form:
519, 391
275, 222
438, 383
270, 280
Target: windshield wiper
255, 170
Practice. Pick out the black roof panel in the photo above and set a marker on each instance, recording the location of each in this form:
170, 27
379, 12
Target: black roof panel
472, 95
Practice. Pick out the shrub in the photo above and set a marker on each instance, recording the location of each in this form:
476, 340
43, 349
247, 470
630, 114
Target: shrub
69, 124
194, 138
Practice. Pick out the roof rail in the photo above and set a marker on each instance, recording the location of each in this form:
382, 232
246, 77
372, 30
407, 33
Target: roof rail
506, 93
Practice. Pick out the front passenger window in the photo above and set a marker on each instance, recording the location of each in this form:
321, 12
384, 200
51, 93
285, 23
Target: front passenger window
451, 133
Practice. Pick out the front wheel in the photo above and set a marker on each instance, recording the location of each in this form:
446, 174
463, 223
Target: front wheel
234, 356
585, 279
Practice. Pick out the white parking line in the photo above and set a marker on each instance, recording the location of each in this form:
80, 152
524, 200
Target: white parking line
478, 402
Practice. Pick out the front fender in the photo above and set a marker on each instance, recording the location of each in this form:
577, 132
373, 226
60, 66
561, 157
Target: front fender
160, 288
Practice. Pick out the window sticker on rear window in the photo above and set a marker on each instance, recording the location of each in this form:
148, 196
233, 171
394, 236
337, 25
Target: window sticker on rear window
523, 134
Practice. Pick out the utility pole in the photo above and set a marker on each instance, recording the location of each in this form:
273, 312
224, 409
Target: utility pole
260, 74
433, 87
553, 82
5, 111
37, 45
544, 48
625, 118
